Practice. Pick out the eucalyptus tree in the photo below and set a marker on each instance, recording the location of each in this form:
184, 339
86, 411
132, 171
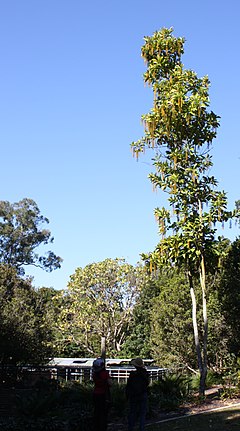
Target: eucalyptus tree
22, 231
180, 129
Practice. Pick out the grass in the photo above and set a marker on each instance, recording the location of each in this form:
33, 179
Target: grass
227, 419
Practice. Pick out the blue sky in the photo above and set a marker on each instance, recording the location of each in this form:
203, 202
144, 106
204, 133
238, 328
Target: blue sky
71, 98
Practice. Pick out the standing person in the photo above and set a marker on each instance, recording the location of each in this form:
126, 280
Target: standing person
136, 391
101, 394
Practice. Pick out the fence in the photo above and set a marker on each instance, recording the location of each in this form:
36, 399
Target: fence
119, 374
76, 369
81, 369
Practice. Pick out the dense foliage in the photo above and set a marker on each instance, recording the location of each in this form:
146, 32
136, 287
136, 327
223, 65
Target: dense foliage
36, 324
25, 333
228, 295
98, 304
26, 329
21, 233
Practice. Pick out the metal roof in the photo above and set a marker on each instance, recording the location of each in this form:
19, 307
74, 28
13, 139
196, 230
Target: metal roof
88, 362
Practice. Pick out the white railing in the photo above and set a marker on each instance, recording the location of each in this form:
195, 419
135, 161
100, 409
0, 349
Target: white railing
120, 374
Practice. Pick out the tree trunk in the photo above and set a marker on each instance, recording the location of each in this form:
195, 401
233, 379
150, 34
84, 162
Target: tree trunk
202, 274
103, 348
196, 338
205, 326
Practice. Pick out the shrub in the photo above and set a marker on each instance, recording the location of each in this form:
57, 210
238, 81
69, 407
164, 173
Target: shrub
231, 384
70, 407
213, 378
169, 392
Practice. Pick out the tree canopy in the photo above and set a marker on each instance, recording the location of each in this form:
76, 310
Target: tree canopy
25, 332
99, 303
21, 233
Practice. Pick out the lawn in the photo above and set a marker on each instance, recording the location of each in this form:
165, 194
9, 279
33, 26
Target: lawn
221, 420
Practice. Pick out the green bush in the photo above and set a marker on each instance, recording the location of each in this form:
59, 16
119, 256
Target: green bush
213, 378
231, 383
70, 407
169, 392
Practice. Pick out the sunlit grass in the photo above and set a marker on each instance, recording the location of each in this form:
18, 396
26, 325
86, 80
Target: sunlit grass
221, 420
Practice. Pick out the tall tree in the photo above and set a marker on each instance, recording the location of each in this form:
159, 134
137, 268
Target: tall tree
21, 233
100, 302
180, 129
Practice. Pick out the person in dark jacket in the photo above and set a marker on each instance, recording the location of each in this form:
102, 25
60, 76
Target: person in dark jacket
101, 394
136, 391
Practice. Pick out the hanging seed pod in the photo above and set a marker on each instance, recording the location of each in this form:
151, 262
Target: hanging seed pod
175, 162
179, 47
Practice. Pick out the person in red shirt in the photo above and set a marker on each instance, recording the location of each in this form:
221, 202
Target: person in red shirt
101, 394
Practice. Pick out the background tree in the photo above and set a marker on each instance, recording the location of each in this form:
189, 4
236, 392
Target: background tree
228, 294
66, 341
100, 301
180, 130
21, 233
138, 341
25, 333
171, 338
48, 310
161, 327
218, 330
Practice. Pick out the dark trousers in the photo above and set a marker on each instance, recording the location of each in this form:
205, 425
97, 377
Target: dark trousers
100, 413
137, 410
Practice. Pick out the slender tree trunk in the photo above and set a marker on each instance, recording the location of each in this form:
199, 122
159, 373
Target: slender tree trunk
202, 273
103, 348
205, 325
196, 334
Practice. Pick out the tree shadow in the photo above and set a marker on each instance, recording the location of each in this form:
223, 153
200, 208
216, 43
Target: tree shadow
224, 420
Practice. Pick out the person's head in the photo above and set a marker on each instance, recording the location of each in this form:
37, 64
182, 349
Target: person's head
98, 365
137, 363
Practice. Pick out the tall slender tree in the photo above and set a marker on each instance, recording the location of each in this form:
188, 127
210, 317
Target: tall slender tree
180, 129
